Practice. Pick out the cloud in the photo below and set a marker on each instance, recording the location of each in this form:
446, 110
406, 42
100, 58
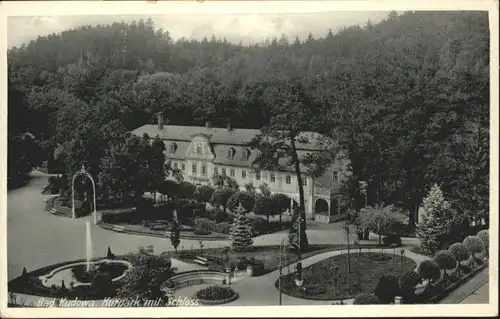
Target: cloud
248, 28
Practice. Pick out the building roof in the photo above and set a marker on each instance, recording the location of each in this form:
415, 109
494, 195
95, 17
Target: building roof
236, 136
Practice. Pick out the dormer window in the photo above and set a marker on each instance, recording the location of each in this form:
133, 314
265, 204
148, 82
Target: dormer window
246, 154
198, 149
173, 147
231, 152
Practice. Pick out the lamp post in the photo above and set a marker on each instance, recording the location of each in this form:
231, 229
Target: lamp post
281, 252
294, 240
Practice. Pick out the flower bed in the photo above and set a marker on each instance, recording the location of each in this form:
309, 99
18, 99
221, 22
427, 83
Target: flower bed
365, 271
216, 295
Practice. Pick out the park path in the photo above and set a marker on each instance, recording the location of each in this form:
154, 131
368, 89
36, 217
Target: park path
262, 291
474, 291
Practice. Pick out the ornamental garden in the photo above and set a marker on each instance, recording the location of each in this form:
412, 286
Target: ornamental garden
356, 271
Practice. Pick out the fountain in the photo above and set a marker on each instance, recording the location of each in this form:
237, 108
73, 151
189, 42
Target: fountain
83, 273
88, 245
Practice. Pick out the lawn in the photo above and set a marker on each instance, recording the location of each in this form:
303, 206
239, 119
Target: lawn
365, 271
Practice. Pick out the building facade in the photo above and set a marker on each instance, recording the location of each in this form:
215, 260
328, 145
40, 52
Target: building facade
202, 152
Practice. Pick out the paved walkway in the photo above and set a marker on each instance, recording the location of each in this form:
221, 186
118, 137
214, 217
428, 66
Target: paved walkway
474, 291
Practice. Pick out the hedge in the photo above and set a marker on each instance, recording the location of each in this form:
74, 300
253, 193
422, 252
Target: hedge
445, 260
366, 300
459, 252
474, 245
429, 269
485, 238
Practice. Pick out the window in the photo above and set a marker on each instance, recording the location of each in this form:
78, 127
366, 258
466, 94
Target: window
198, 149
183, 166
257, 176
231, 152
194, 168
244, 174
223, 172
288, 179
272, 178
176, 165
335, 176
173, 147
216, 170
246, 154
203, 170
231, 172
304, 181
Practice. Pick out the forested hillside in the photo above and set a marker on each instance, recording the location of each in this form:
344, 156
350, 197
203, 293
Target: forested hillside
408, 97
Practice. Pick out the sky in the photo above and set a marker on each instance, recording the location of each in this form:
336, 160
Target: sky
249, 29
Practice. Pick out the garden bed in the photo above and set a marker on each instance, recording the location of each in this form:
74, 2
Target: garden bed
147, 231
365, 270
215, 295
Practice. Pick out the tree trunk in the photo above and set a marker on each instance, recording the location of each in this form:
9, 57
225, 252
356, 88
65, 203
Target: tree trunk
411, 218
295, 160
280, 216
268, 218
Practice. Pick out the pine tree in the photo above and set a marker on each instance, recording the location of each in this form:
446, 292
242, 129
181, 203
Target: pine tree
175, 237
241, 233
436, 221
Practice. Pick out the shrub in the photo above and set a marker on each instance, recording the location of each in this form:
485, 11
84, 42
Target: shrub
223, 228
445, 260
387, 288
485, 238
366, 300
429, 269
392, 240
459, 252
202, 231
126, 215
215, 293
220, 216
259, 226
474, 245
158, 227
407, 284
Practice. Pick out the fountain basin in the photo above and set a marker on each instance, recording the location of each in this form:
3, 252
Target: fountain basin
76, 274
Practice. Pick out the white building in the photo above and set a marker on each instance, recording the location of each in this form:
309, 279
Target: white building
200, 152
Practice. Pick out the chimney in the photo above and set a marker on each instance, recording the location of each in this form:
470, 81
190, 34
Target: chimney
229, 127
208, 124
160, 121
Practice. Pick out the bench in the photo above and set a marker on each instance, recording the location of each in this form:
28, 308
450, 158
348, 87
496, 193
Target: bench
118, 228
201, 260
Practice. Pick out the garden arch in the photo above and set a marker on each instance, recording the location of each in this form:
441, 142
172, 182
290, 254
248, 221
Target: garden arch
83, 172
321, 207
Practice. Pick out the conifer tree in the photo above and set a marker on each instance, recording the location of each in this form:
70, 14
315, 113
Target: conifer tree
241, 233
175, 237
435, 225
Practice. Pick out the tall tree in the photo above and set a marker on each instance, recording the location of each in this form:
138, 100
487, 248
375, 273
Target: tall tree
288, 129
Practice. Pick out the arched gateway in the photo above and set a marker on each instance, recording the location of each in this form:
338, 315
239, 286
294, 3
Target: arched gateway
83, 172
321, 207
